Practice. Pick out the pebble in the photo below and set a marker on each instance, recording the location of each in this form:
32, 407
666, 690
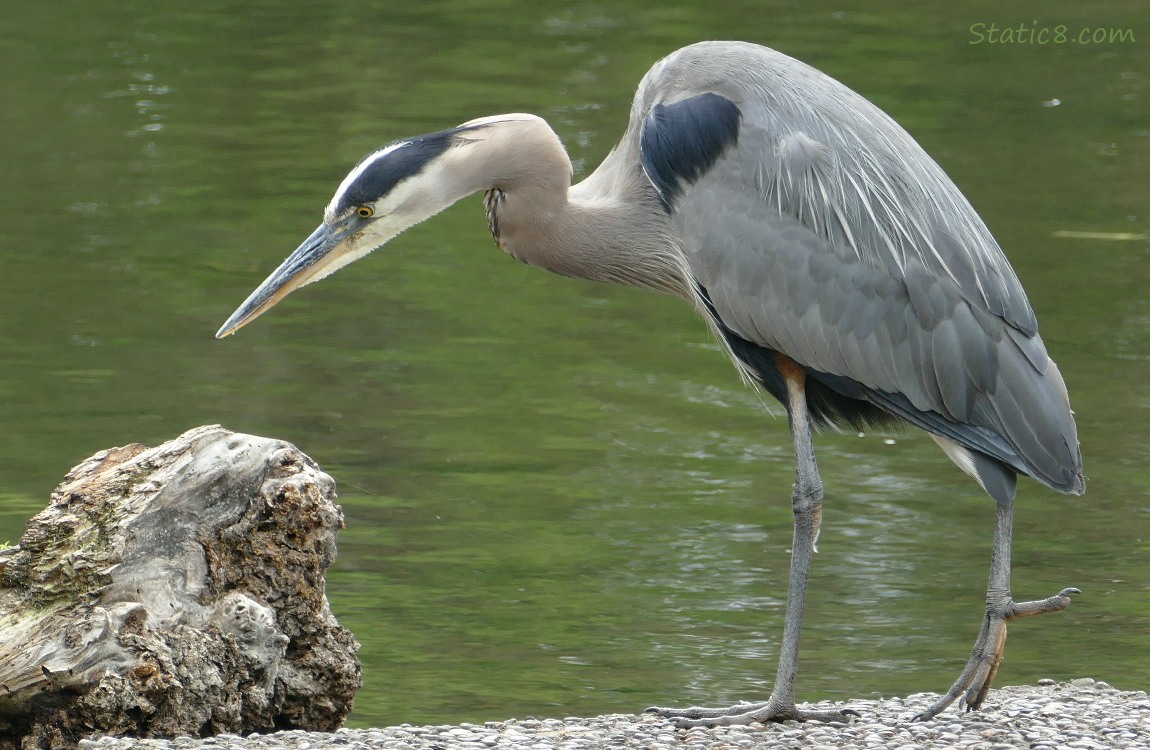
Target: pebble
1079, 715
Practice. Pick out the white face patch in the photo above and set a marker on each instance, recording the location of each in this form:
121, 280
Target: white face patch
356, 247
410, 202
329, 213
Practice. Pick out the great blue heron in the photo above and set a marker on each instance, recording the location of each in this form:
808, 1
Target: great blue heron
838, 265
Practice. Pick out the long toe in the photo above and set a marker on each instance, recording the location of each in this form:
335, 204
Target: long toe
974, 681
701, 712
745, 713
973, 684
1059, 601
987, 668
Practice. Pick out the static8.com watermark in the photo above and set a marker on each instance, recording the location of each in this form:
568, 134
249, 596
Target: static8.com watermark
1034, 33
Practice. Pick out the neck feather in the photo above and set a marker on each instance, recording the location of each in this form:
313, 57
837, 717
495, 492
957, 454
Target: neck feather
610, 227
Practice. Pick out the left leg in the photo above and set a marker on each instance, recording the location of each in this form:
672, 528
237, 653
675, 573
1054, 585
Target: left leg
807, 504
974, 682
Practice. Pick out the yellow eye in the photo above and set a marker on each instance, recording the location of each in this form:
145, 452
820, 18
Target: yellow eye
365, 212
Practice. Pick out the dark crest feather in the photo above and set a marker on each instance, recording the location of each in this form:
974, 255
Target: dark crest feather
408, 160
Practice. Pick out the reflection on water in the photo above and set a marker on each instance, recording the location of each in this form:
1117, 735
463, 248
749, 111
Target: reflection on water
559, 498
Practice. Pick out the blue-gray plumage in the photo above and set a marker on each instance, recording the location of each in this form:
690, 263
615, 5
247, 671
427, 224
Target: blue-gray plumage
838, 265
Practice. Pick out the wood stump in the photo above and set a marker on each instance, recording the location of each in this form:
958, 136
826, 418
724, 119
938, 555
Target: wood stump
177, 590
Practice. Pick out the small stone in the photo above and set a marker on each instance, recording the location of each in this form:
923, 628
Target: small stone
1083, 682
1046, 682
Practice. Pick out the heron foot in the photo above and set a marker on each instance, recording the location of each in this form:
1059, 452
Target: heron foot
746, 712
973, 684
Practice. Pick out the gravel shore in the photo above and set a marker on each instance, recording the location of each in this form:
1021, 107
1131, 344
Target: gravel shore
1079, 715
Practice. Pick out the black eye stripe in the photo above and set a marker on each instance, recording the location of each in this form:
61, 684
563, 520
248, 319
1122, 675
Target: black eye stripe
384, 171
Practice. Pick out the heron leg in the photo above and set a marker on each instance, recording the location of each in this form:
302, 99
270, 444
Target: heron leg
973, 684
806, 503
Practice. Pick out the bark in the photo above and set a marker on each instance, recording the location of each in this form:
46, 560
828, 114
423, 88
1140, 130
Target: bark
176, 591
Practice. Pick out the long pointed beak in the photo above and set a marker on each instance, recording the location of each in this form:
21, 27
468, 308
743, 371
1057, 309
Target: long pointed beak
311, 261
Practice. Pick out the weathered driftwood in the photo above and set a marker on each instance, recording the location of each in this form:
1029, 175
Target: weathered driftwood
176, 591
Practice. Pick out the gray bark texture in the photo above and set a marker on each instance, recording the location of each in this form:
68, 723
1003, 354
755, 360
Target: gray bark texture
177, 590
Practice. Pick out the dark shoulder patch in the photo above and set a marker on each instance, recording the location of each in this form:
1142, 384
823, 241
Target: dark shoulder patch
380, 172
681, 141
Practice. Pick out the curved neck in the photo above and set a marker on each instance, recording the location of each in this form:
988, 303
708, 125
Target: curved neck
610, 227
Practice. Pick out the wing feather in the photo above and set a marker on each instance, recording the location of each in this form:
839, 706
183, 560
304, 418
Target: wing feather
827, 234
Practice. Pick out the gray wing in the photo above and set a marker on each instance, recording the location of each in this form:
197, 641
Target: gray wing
824, 232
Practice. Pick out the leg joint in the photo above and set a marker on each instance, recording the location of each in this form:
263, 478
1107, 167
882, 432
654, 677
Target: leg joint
999, 603
807, 496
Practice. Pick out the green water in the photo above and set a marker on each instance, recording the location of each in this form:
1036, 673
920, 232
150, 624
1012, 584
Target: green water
559, 498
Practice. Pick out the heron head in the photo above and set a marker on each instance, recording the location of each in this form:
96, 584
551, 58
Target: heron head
388, 191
